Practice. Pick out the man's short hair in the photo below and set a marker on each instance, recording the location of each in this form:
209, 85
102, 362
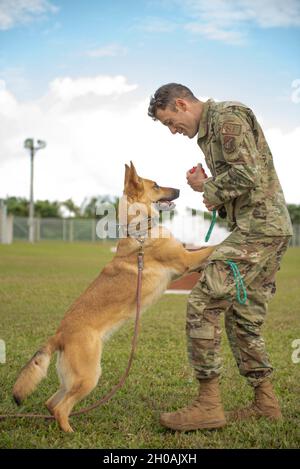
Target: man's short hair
166, 96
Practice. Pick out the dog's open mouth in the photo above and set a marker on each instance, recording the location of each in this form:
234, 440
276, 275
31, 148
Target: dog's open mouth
164, 204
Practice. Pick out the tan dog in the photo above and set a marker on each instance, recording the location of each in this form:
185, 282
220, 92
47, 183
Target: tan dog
108, 302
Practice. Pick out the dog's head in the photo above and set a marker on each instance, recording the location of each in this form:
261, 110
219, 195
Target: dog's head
148, 192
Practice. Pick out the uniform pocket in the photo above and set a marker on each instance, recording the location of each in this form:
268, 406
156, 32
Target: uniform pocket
202, 331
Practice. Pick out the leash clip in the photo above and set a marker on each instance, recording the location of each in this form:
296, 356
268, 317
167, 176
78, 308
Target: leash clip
141, 241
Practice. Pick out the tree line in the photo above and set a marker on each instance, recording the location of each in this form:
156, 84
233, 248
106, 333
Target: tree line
19, 206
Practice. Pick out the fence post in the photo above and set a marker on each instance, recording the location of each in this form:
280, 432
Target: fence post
93, 229
38, 229
3, 215
6, 225
297, 243
64, 221
71, 233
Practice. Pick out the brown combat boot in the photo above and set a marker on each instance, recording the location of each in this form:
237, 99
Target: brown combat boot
265, 405
205, 412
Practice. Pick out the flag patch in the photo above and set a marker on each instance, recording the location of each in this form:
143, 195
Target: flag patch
229, 128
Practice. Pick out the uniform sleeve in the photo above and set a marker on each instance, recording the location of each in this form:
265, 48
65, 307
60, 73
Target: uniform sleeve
238, 146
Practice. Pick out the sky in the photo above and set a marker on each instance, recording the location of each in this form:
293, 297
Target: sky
79, 75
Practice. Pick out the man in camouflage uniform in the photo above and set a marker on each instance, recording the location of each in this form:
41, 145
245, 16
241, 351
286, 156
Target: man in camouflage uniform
245, 189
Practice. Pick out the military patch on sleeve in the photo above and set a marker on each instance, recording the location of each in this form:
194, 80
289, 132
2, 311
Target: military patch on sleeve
230, 128
229, 144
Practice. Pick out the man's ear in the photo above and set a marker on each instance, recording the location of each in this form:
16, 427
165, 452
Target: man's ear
180, 104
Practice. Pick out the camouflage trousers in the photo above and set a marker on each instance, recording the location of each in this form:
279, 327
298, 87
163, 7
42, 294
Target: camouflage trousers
258, 259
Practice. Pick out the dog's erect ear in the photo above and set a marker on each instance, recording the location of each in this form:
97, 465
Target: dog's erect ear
127, 172
133, 174
135, 180
133, 183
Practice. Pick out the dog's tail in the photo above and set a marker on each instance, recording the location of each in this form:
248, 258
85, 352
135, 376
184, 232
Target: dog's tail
34, 371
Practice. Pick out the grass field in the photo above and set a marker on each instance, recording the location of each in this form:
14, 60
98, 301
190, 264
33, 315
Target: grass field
37, 283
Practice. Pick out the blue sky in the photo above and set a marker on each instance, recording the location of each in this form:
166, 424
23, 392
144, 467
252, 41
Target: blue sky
150, 44
244, 50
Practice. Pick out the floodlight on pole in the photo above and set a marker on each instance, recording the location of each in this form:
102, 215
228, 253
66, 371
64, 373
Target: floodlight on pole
29, 144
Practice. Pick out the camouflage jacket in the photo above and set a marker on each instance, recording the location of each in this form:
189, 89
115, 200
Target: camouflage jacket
244, 178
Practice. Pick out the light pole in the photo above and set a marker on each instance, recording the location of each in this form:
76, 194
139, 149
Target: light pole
29, 144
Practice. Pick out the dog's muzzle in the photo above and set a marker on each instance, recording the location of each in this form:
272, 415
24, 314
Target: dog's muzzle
167, 204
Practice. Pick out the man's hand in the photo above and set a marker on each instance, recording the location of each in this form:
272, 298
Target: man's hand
196, 179
208, 205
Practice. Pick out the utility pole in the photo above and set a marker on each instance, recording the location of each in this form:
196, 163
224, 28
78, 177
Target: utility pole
29, 144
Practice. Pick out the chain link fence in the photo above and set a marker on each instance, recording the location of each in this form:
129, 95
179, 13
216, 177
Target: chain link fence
79, 229
63, 229
296, 238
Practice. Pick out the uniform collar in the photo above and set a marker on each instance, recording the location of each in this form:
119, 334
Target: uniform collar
204, 119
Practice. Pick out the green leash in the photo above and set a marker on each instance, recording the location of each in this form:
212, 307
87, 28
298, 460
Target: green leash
239, 283
212, 224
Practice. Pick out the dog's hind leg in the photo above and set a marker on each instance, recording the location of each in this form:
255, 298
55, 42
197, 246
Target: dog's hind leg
57, 396
80, 370
55, 399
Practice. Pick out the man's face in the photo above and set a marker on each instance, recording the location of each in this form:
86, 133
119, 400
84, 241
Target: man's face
182, 121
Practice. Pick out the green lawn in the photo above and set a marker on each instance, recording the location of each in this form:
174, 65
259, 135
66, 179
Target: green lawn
37, 283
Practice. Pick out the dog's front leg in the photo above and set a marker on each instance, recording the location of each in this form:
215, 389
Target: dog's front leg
195, 258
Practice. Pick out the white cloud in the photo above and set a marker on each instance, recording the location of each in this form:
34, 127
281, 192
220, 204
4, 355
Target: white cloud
216, 33
273, 13
284, 147
87, 148
67, 88
154, 24
227, 20
15, 77
109, 50
8, 103
295, 96
266, 14
15, 12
